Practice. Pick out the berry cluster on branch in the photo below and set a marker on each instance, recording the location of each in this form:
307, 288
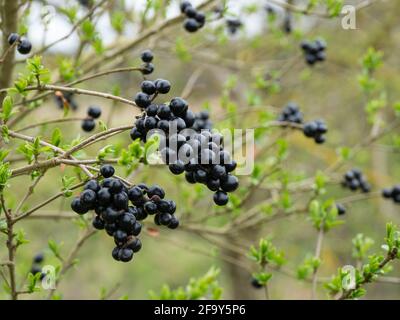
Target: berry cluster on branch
291, 113
110, 201
355, 180
195, 19
314, 51
24, 46
392, 193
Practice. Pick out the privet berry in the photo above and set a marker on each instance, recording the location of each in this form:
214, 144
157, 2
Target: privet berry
195, 20
355, 180
392, 193
89, 123
67, 98
341, 209
202, 121
24, 46
254, 282
119, 209
12, 38
291, 113
314, 51
187, 145
94, 112
147, 57
36, 265
233, 25
316, 130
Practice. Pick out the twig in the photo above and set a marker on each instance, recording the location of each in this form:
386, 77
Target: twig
69, 262
30, 191
44, 203
74, 27
109, 96
11, 249
369, 277
46, 122
317, 255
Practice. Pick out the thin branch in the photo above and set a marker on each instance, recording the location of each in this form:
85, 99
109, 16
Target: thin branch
46, 122
93, 64
11, 247
44, 203
369, 277
317, 255
74, 27
109, 96
69, 262
29, 192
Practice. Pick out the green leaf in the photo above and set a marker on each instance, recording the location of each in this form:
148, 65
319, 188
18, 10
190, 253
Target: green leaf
32, 281
102, 125
56, 137
20, 238
5, 174
118, 21
7, 108
54, 248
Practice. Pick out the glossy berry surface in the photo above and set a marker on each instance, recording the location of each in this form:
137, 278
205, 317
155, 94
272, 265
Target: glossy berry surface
147, 56
12, 38
118, 210
94, 112
107, 171
88, 125
355, 180
24, 46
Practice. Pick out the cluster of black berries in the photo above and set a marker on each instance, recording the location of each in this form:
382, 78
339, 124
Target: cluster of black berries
36, 265
202, 121
354, 180
341, 209
314, 51
150, 89
195, 19
147, 58
24, 46
89, 123
65, 98
316, 129
291, 113
233, 25
187, 147
392, 193
110, 201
